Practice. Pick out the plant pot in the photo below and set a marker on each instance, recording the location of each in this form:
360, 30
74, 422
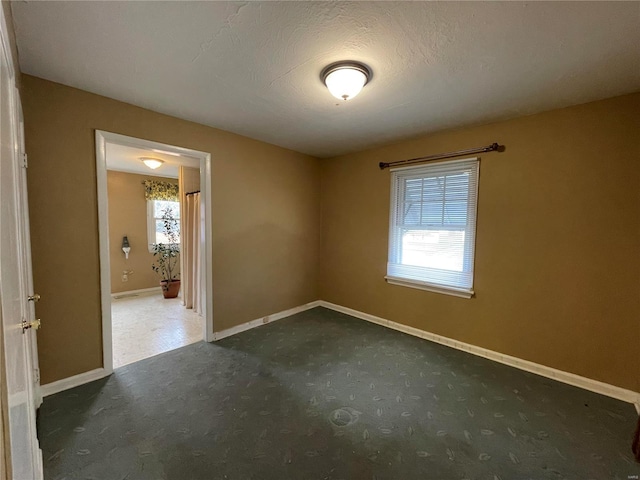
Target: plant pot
171, 288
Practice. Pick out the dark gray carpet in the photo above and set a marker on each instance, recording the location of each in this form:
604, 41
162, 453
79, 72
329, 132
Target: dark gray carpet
321, 395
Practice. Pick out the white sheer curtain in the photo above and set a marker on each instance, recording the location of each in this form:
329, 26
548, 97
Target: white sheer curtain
190, 239
191, 286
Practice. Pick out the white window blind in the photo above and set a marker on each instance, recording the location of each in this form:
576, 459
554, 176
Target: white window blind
433, 226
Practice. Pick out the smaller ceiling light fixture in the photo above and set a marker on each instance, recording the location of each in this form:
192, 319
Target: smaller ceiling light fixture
345, 79
152, 163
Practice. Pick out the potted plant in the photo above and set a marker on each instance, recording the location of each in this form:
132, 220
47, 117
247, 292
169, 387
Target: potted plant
166, 255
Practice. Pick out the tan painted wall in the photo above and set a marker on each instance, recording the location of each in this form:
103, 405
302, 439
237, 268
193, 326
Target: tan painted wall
265, 218
551, 286
128, 216
558, 239
190, 179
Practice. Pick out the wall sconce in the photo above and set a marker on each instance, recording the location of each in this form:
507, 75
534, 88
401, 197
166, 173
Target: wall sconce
125, 247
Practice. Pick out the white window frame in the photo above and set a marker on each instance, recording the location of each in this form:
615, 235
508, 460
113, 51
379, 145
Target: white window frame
460, 284
151, 224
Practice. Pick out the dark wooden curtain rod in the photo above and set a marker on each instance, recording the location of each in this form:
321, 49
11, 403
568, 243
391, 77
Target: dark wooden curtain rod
494, 147
192, 193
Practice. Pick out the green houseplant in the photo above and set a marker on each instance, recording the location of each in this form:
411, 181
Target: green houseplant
166, 255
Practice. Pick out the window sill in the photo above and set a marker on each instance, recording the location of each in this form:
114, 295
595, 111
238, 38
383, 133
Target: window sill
404, 282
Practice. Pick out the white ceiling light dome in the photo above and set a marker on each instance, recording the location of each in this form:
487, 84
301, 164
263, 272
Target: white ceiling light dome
152, 163
346, 79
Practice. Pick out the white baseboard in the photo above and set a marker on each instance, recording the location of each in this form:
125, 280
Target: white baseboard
258, 322
139, 292
549, 372
98, 373
543, 370
75, 381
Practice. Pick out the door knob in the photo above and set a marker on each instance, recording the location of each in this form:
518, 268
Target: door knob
35, 298
27, 325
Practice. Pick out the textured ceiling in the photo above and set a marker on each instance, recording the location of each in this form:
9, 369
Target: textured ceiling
123, 158
253, 68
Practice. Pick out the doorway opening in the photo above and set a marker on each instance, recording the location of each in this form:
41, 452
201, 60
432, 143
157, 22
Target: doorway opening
152, 217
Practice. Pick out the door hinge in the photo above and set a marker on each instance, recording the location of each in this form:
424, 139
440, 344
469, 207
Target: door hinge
35, 324
36, 375
25, 162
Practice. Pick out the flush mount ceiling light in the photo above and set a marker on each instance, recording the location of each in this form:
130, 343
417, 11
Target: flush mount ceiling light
152, 163
345, 79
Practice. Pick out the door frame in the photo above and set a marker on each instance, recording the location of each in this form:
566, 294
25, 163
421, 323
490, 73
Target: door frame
28, 395
102, 139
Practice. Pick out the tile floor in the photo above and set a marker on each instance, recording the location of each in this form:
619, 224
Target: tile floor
147, 325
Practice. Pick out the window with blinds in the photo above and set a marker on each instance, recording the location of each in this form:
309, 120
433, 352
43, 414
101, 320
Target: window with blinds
433, 226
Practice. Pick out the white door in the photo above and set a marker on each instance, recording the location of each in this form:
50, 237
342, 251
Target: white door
26, 254
25, 456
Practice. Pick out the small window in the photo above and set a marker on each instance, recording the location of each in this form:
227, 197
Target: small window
155, 209
433, 226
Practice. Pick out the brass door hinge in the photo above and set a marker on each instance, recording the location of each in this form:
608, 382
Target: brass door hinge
35, 324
